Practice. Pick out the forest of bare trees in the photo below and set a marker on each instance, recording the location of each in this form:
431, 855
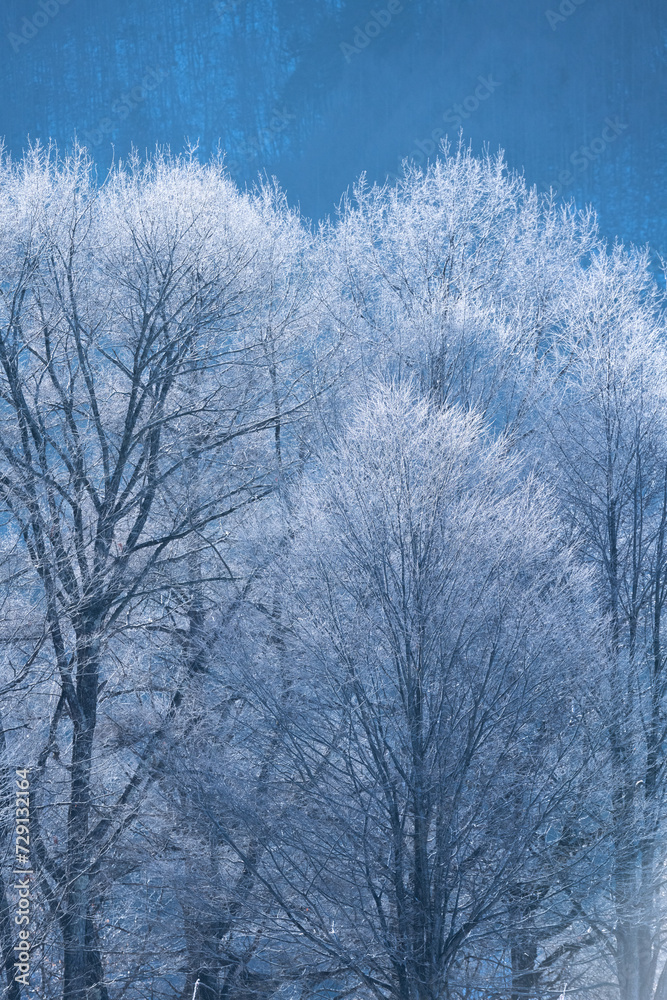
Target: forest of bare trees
332, 570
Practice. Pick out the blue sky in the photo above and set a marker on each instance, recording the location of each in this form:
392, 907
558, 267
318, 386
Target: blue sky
317, 91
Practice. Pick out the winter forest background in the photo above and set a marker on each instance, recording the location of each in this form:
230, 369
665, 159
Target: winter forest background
333, 538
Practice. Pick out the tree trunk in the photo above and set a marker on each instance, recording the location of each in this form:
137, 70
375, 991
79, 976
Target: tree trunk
83, 971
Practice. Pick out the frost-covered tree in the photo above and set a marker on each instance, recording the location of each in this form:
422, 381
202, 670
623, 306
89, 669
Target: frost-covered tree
605, 437
332, 576
455, 278
431, 600
147, 368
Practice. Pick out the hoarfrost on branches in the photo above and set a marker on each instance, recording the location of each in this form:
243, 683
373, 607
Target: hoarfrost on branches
333, 572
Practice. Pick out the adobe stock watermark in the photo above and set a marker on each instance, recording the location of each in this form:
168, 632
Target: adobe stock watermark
454, 116
584, 155
31, 26
378, 20
255, 147
222, 7
565, 10
23, 869
124, 105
